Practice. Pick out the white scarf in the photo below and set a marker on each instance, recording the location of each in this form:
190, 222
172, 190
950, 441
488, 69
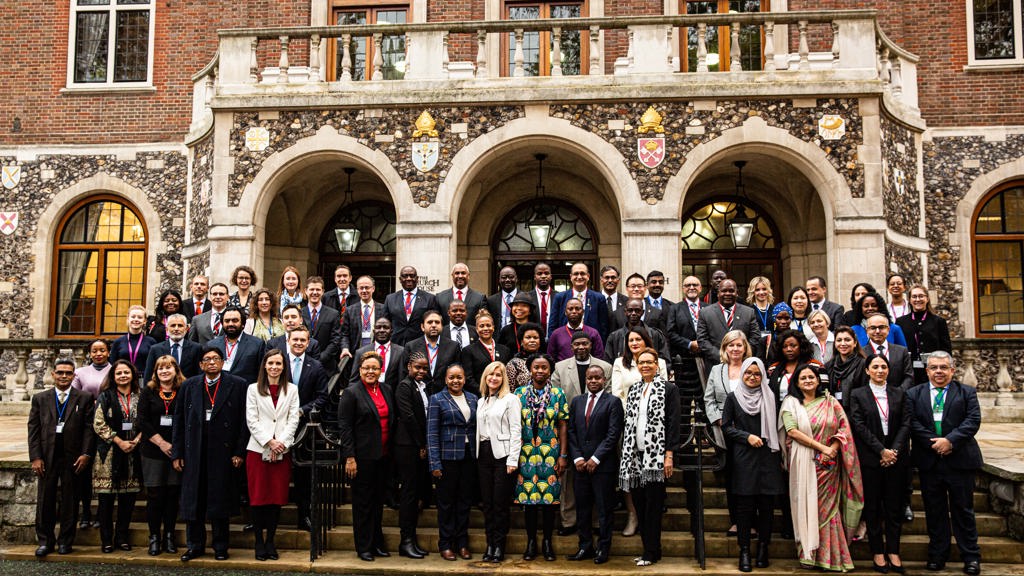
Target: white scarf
803, 480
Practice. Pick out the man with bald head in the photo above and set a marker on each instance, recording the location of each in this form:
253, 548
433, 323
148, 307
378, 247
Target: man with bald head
406, 307
460, 290
723, 316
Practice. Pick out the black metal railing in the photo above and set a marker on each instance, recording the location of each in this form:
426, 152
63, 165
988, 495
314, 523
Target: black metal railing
317, 448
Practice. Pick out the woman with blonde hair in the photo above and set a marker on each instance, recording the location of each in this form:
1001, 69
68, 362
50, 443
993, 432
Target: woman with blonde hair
723, 379
499, 441
760, 297
290, 287
822, 339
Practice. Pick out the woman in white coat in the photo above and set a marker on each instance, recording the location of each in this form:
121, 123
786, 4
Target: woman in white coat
499, 440
272, 415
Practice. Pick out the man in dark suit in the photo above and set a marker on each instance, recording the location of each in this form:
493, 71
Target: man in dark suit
946, 416
655, 289
243, 353
311, 379
616, 343
324, 323
359, 319
901, 367
440, 352
185, 352
406, 307
210, 438
500, 303
197, 303
636, 288
458, 329
817, 293
610, 290
208, 325
595, 308
542, 295
343, 294
60, 446
721, 317
393, 354
595, 423
291, 317
460, 290
716, 281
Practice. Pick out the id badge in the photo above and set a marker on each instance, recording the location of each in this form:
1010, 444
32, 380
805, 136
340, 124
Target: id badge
937, 416
166, 420
60, 428
765, 334
839, 396
126, 426
918, 365
367, 334
208, 414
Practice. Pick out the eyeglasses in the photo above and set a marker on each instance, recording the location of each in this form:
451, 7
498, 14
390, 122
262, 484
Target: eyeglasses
212, 360
877, 328
646, 362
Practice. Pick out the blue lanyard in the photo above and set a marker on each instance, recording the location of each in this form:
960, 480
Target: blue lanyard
764, 317
61, 407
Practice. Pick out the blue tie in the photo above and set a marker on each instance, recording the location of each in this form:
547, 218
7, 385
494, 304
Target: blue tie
296, 369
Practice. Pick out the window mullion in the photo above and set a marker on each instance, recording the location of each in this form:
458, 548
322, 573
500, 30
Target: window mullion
111, 42
1018, 30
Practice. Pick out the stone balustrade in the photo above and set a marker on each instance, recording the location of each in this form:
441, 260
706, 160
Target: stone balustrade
27, 365
253, 67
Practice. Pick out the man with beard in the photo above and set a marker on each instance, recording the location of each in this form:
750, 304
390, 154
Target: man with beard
500, 303
721, 317
405, 308
610, 289
560, 346
457, 330
242, 352
655, 288
441, 353
716, 281
634, 311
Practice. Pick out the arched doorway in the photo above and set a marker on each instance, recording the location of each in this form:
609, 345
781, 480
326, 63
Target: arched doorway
372, 253
707, 246
571, 240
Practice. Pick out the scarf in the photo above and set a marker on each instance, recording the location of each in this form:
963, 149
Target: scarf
850, 370
537, 403
638, 469
759, 401
803, 481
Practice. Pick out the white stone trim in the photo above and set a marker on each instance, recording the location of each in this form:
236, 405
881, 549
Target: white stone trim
41, 278
961, 235
973, 63
123, 152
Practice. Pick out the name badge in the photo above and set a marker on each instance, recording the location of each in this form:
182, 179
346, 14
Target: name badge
209, 413
366, 334
839, 396
166, 420
918, 365
937, 415
60, 428
765, 334
126, 426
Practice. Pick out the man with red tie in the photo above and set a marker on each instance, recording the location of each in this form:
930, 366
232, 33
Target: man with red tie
460, 290
543, 295
197, 303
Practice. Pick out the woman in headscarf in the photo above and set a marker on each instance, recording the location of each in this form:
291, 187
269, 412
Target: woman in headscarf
749, 422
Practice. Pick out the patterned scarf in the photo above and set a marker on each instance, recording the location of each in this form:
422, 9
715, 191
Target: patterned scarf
537, 402
641, 469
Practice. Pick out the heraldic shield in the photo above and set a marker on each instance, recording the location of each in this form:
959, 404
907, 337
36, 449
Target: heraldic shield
425, 155
651, 151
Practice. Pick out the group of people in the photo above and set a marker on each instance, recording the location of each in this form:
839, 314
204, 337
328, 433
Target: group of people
550, 401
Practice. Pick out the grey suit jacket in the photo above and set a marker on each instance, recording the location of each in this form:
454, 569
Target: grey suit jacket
201, 331
567, 378
901, 366
835, 314
711, 328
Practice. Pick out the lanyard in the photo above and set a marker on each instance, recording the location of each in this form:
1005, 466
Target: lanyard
728, 315
882, 409
126, 407
133, 354
432, 358
764, 317
229, 350
216, 388
490, 350
167, 401
940, 400
60, 406
515, 332
901, 313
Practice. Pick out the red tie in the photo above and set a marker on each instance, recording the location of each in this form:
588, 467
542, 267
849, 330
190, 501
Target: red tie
383, 356
316, 316
590, 407
458, 294
408, 304
544, 310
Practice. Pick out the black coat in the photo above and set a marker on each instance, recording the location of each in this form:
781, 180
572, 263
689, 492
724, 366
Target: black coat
151, 409
352, 325
190, 356
78, 435
331, 299
281, 343
327, 332
867, 426
924, 335
653, 317
961, 419
312, 384
475, 358
411, 428
188, 307
757, 471
246, 356
407, 329
359, 425
474, 302
395, 368
448, 353
615, 344
225, 436
600, 437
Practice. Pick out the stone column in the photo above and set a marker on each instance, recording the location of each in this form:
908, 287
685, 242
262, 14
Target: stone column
653, 244
857, 247
430, 248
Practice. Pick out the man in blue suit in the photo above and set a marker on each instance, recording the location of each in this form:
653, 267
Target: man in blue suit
595, 308
595, 423
944, 419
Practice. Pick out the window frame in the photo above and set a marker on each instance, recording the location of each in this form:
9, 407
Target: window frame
991, 237
724, 48
109, 85
973, 62
371, 8
101, 248
544, 42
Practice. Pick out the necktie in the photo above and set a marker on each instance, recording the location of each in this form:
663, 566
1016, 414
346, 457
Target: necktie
408, 304
590, 407
611, 303
657, 303
458, 294
694, 309
174, 352
507, 312
940, 403
458, 336
198, 307
544, 310
62, 397
216, 323
366, 317
296, 369
816, 306
315, 316
383, 351
881, 350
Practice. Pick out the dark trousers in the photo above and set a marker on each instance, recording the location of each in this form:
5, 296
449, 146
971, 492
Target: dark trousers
496, 493
649, 500
368, 489
415, 477
454, 498
195, 529
57, 485
302, 487
125, 506
754, 512
595, 491
949, 499
162, 508
883, 507
730, 500
83, 490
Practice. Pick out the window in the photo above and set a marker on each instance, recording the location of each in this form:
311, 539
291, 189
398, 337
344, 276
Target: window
994, 32
361, 49
537, 46
571, 239
719, 38
999, 260
111, 43
100, 267
374, 253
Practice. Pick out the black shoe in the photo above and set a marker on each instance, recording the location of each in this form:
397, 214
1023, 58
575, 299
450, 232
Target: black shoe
883, 569
169, 546
44, 550
488, 554
192, 554
908, 514
154, 545
381, 553
896, 569
567, 530
730, 533
107, 548
935, 565
531, 550
601, 557
405, 549
366, 557
972, 568
220, 555
270, 550
84, 524
762, 555
64, 549
745, 560
248, 527
583, 554
124, 545
498, 555
548, 550
305, 525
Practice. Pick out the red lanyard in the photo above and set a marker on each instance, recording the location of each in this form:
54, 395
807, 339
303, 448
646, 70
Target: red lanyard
490, 350
884, 410
216, 388
126, 407
432, 358
229, 349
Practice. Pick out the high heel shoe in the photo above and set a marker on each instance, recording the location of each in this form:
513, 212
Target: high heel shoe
894, 568
881, 569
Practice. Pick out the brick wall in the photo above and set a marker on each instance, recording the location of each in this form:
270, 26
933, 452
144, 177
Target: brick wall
461, 47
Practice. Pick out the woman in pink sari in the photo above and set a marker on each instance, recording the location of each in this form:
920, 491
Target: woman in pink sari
825, 489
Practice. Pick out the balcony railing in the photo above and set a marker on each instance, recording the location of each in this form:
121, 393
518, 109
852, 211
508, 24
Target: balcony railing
848, 46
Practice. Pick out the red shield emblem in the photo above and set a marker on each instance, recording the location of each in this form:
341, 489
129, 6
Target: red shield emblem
8, 222
651, 151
